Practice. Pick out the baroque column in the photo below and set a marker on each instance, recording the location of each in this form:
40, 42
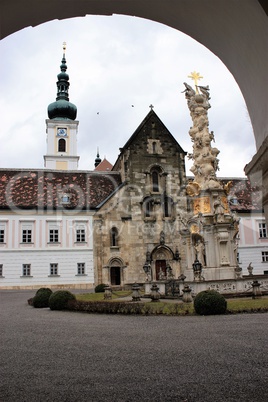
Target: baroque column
212, 228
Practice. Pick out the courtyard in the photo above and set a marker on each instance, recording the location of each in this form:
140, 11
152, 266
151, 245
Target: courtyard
64, 356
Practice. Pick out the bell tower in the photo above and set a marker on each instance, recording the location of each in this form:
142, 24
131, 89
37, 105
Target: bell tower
62, 126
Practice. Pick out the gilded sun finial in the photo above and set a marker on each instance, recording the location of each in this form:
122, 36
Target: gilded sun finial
196, 77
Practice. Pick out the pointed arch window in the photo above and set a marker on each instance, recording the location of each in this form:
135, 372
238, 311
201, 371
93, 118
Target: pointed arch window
154, 147
114, 237
62, 145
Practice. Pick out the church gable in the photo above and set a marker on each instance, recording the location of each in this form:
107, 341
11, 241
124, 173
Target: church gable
151, 138
151, 145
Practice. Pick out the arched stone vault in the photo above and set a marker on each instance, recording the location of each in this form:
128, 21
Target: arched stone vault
234, 30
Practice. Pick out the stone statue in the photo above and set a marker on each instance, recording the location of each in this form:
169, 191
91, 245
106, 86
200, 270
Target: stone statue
161, 275
219, 210
205, 161
250, 269
162, 237
200, 252
189, 91
205, 91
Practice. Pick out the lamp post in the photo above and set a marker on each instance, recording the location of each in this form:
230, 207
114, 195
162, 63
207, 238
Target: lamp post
197, 268
147, 270
147, 267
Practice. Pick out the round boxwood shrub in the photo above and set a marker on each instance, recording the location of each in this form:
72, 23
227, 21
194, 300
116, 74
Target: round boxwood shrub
210, 302
100, 288
59, 299
44, 290
40, 300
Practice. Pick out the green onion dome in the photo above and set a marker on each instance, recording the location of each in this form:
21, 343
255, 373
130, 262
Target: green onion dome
62, 108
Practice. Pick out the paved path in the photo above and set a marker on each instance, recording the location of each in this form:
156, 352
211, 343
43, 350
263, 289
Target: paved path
75, 357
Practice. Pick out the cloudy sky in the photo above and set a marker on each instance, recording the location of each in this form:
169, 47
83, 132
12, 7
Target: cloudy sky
113, 63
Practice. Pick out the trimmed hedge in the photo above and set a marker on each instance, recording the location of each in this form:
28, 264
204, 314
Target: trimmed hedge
106, 307
100, 288
41, 298
59, 299
210, 302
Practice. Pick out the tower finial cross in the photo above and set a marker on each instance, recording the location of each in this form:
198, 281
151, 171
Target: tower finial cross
195, 76
151, 106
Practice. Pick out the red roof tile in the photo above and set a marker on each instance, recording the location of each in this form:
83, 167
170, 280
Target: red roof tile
45, 188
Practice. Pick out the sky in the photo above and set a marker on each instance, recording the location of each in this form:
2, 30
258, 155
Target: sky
118, 66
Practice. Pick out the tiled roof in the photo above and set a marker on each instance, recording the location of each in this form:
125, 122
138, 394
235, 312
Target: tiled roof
246, 198
104, 166
36, 188
243, 197
45, 188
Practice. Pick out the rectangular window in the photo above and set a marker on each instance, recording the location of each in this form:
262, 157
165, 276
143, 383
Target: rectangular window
26, 269
264, 255
262, 230
80, 235
81, 268
26, 235
53, 269
2, 236
1, 269
53, 235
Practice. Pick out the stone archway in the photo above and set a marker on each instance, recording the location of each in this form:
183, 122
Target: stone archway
161, 257
115, 268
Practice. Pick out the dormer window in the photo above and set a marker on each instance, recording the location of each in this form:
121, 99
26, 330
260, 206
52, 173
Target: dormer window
65, 199
233, 200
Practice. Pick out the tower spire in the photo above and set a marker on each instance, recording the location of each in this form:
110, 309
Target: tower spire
62, 108
98, 159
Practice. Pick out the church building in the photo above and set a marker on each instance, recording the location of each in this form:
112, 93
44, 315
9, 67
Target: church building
139, 220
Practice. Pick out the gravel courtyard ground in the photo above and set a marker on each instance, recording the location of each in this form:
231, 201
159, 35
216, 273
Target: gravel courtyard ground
63, 356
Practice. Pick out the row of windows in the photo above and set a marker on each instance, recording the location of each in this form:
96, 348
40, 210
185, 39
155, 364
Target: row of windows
53, 235
53, 269
264, 256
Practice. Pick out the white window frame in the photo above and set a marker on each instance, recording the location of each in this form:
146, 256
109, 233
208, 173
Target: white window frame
81, 268
2, 234
53, 234
54, 269
26, 270
264, 255
262, 230
27, 234
27, 231
80, 234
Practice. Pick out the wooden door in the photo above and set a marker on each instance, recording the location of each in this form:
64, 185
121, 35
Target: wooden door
115, 276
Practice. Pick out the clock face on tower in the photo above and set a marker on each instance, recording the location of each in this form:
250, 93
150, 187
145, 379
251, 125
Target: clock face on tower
62, 132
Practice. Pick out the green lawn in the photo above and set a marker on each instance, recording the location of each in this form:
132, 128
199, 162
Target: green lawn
235, 305
178, 308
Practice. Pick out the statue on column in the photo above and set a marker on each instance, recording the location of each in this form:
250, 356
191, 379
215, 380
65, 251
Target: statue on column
204, 156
